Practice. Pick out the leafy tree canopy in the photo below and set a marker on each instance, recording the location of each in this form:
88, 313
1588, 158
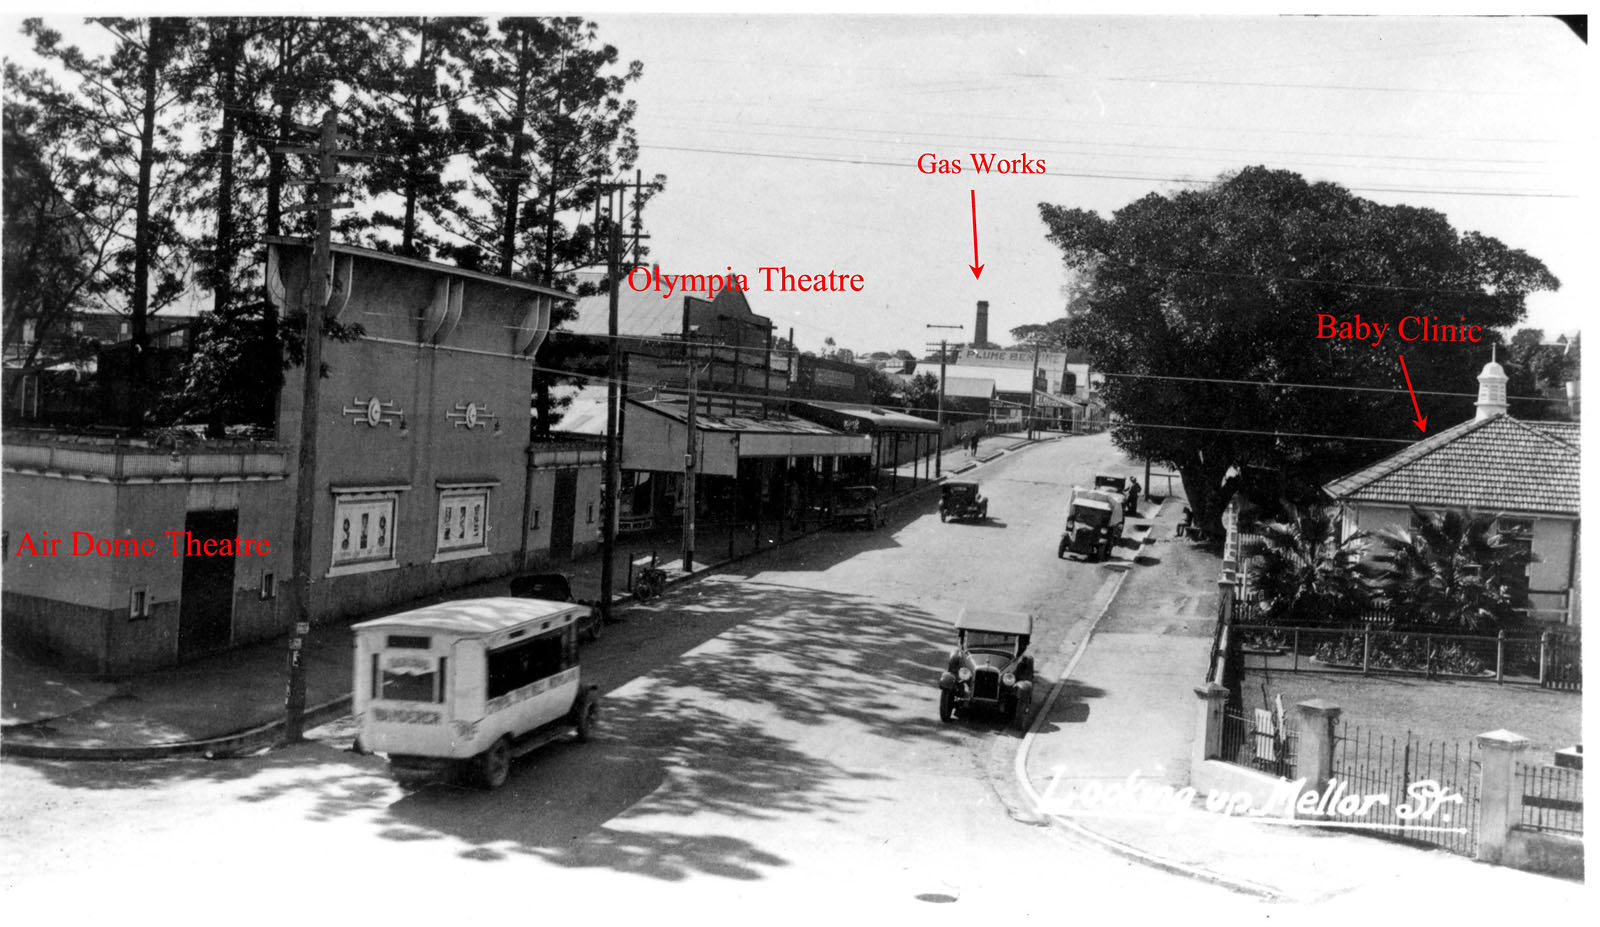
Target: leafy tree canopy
1226, 282
1052, 335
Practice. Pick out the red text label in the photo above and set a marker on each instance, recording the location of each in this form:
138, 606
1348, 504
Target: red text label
1410, 328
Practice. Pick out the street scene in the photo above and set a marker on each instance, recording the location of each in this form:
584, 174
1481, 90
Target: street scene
466, 468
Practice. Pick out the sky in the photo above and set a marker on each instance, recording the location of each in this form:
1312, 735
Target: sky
793, 141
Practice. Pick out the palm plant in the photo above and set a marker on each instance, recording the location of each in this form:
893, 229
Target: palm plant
1304, 571
1452, 571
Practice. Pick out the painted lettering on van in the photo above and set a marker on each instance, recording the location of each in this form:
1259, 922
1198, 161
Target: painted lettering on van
404, 662
502, 702
405, 715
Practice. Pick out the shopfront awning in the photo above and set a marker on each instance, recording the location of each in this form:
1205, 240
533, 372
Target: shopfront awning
655, 437
847, 417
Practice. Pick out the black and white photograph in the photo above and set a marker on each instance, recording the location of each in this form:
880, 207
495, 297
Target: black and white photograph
838, 464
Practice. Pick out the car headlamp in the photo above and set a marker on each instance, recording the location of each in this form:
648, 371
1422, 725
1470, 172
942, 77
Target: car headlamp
1010, 679
964, 673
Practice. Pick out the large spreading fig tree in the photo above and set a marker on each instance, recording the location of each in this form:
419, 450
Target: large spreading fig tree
1227, 282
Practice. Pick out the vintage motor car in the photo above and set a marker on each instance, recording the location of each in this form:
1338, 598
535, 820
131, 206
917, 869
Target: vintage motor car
858, 505
1094, 523
961, 500
466, 686
557, 587
989, 669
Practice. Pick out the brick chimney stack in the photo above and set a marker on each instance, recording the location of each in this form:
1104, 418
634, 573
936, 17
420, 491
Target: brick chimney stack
980, 331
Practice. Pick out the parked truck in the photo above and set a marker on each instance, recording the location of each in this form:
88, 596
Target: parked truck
1094, 523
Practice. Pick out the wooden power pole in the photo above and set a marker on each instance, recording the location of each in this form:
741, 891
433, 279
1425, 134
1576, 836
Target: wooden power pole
316, 294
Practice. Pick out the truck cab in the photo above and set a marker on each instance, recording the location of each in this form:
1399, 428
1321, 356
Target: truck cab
1094, 523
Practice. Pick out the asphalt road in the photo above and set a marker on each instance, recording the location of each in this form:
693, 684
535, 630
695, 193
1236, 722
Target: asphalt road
771, 743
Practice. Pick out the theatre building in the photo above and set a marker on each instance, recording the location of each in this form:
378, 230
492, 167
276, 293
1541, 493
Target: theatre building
753, 454
425, 479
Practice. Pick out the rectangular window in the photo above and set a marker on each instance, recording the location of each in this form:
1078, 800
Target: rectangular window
363, 528
535, 524
1518, 533
524, 663
138, 602
269, 585
463, 520
407, 677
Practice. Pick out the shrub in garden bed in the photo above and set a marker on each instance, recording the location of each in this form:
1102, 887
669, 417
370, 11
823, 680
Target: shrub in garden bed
1406, 652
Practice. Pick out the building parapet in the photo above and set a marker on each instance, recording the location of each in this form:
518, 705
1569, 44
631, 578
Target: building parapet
558, 456
132, 460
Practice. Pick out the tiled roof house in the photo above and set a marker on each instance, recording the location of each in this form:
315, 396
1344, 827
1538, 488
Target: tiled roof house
1527, 473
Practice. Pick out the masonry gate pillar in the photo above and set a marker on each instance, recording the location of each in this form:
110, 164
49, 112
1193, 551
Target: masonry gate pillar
1499, 799
1314, 752
1207, 743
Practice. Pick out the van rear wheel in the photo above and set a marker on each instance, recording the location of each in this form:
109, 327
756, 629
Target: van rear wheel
494, 765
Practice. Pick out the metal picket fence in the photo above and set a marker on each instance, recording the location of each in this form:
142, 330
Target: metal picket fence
1370, 763
1261, 741
1552, 798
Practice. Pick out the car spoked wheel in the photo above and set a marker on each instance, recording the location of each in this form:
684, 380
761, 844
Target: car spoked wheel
947, 705
494, 765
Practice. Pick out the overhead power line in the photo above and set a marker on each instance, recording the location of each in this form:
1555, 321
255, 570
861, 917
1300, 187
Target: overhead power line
1099, 175
1358, 389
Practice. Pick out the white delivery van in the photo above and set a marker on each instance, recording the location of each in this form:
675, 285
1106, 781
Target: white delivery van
470, 684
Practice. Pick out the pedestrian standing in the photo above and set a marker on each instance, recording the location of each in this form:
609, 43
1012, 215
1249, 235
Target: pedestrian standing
1133, 496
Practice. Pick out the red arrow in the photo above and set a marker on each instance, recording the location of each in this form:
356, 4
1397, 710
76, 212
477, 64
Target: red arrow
977, 269
1421, 420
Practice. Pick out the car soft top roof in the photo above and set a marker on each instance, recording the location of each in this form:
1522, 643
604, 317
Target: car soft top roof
960, 484
470, 617
1090, 502
984, 619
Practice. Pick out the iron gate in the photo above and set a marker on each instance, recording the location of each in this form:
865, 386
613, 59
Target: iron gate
1369, 763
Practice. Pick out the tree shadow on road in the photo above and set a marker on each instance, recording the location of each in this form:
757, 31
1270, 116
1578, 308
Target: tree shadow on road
711, 737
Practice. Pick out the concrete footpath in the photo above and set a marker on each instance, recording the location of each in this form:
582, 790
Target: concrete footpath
1124, 715
233, 702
